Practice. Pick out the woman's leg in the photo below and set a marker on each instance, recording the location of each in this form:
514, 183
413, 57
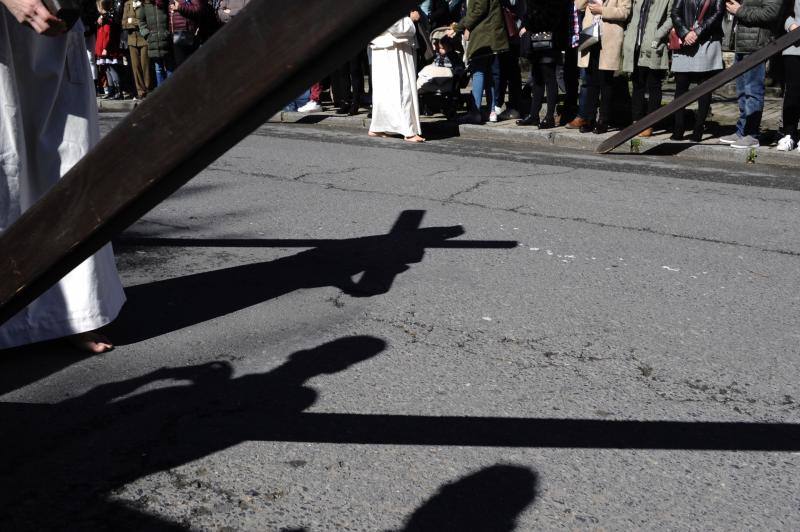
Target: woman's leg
549, 71
477, 86
537, 94
791, 98
606, 95
681, 87
637, 97
592, 86
703, 105
655, 79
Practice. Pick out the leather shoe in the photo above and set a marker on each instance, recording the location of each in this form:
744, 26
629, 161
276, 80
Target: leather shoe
587, 127
600, 128
547, 123
529, 120
647, 133
578, 123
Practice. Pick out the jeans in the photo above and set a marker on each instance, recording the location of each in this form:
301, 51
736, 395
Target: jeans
582, 111
482, 78
750, 90
164, 69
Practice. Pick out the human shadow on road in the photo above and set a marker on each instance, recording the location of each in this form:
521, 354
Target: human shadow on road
489, 500
157, 308
62, 462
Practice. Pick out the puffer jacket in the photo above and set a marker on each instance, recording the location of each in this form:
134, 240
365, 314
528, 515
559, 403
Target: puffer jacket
486, 25
685, 13
757, 22
154, 26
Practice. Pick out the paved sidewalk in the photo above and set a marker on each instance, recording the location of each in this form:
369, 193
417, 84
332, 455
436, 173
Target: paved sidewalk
721, 122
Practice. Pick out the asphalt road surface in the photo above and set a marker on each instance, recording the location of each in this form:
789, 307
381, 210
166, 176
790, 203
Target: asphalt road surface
330, 332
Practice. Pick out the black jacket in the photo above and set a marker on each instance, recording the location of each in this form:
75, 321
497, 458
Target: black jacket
757, 22
685, 13
549, 15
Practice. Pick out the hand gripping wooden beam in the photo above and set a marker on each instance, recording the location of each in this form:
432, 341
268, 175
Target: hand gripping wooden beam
751, 61
268, 54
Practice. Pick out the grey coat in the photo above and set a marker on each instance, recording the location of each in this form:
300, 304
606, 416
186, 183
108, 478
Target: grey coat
653, 53
756, 21
794, 19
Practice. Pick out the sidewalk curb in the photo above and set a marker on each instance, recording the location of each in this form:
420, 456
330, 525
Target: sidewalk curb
656, 146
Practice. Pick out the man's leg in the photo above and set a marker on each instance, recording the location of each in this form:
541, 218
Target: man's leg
754, 103
138, 74
741, 94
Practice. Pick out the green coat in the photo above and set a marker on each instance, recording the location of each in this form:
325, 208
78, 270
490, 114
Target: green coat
487, 28
154, 26
653, 54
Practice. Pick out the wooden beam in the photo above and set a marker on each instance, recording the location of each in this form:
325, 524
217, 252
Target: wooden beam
751, 61
263, 58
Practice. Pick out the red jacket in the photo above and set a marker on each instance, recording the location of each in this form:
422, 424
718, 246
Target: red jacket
108, 39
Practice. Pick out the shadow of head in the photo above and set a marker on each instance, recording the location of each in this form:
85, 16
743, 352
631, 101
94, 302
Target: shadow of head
490, 499
335, 356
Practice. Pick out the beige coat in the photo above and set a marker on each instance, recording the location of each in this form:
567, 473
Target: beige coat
615, 17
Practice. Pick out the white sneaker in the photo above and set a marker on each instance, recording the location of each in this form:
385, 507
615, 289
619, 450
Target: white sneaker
493, 116
310, 107
786, 143
498, 110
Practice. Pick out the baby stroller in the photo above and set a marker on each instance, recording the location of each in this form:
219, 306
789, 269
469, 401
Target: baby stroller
439, 84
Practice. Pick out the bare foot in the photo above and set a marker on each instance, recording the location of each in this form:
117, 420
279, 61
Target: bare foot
415, 138
377, 134
92, 342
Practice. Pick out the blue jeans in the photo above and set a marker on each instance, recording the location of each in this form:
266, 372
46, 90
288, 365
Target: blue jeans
481, 68
750, 90
164, 69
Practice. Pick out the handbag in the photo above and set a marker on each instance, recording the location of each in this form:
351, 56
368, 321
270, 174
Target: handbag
541, 41
511, 23
591, 35
675, 42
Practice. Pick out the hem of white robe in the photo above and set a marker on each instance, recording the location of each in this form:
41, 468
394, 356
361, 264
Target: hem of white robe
27, 334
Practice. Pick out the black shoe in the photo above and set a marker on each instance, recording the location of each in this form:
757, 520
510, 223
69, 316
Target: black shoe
696, 136
676, 136
529, 120
587, 128
353, 111
548, 123
600, 127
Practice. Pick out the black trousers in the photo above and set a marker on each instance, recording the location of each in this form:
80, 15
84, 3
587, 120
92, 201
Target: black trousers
682, 82
510, 78
354, 81
599, 88
571, 76
791, 97
646, 82
544, 77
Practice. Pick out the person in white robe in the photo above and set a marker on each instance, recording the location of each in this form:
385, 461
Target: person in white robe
395, 104
48, 121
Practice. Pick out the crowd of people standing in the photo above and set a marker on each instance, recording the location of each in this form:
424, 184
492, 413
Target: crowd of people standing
583, 54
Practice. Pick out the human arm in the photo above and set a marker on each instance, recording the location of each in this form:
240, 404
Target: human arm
617, 12
677, 19
714, 20
476, 12
191, 9
663, 30
762, 16
34, 14
141, 14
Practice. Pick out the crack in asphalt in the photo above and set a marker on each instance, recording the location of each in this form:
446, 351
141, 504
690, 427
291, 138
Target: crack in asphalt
519, 211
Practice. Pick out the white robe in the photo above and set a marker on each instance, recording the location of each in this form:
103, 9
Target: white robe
48, 121
395, 104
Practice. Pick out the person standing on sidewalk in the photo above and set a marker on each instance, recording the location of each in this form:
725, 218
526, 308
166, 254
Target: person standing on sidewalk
602, 59
137, 46
645, 56
48, 122
755, 22
791, 95
543, 19
154, 26
485, 32
699, 58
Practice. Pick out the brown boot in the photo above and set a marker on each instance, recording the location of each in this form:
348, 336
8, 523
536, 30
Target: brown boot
647, 133
577, 123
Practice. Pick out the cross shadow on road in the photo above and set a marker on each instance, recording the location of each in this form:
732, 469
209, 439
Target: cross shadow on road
160, 307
